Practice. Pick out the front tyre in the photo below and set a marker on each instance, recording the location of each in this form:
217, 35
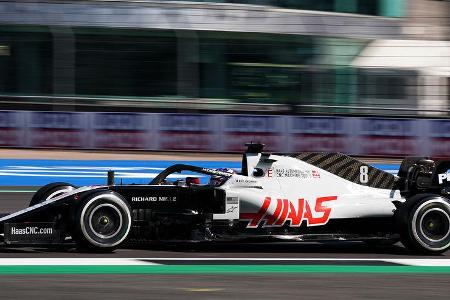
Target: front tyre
102, 222
427, 227
51, 191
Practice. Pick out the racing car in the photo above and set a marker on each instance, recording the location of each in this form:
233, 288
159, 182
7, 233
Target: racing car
302, 197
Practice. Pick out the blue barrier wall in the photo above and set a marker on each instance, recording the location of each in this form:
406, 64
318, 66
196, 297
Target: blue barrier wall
29, 172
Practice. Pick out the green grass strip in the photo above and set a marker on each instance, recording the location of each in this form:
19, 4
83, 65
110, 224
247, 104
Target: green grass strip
216, 269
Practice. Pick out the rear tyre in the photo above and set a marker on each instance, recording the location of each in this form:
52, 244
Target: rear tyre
50, 191
102, 222
425, 225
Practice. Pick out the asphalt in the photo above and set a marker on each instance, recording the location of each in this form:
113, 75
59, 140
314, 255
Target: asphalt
220, 286
312, 286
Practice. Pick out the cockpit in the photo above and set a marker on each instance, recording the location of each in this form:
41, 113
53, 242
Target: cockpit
187, 175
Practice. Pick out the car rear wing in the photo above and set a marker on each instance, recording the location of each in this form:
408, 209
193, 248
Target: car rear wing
420, 174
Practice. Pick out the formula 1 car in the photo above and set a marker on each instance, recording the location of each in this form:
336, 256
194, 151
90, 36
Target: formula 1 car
305, 197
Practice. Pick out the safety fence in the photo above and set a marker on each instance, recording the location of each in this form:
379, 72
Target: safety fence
224, 132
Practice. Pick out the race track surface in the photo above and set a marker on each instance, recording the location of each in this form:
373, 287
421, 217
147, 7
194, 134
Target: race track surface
287, 286
318, 271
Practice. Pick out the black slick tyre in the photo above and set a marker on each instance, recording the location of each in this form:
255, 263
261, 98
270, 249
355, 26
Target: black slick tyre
50, 191
424, 225
102, 222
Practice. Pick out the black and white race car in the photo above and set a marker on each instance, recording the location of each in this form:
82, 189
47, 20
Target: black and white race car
305, 197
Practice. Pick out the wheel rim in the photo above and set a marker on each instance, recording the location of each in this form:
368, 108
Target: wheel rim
435, 224
105, 221
431, 224
114, 235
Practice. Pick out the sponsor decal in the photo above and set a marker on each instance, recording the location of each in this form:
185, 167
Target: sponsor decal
318, 134
31, 230
183, 123
231, 209
444, 177
57, 120
7, 119
186, 132
321, 143
240, 129
57, 129
440, 137
58, 138
31, 233
216, 172
187, 140
387, 127
388, 136
120, 121
317, 125
302, 174
377, 145
10, 137
245, 181
254, 124
286, 210
232, 200
120, 139
440, 147
234, 140
120, 130
439, 128
154, 199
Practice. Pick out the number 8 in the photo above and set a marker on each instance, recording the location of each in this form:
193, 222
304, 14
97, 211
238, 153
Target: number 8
364, 174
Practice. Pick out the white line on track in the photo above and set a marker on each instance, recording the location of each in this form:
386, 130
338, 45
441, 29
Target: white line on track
227, 258
29, 261
432, 262
403, 261
424, 262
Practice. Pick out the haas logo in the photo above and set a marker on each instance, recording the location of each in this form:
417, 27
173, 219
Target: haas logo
286, 211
